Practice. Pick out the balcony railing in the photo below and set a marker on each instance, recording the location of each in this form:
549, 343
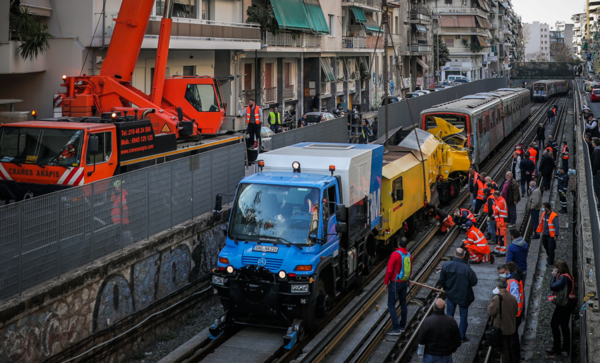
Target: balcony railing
351, 86
374, 42
419, 17
207, 29
370, 3
326, 88
461, 10
464, 30
339, 87
420, 48
354, 42
271, 95
301, 40
289, 93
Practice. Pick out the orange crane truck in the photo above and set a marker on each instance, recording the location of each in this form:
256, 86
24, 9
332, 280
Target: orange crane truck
109, 126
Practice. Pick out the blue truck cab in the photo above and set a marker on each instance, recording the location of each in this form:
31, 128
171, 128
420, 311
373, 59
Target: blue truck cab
298, 234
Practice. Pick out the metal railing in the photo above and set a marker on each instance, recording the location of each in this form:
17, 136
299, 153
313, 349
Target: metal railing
354, 42
418, 16
445, 30
47, 236
371, 3
420, 48
461, 10
302, 40
271, 95
289, 93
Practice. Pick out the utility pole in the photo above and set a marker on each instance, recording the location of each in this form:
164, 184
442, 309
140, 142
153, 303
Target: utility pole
387, 34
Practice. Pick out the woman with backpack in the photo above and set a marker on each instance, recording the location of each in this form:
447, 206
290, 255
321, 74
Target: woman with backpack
565, 300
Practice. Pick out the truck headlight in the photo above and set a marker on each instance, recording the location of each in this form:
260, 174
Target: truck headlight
218, 280
300, 288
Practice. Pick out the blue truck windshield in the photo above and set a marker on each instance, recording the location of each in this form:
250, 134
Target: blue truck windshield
273, 211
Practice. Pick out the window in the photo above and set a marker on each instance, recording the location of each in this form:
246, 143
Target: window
458, 37
287, 74
398, 192
189, 70
397, 25
331, 25
449, 42
247, 76
104, 149
202, 97
182, 8
268, 75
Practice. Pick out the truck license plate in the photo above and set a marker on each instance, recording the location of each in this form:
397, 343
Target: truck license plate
272, 249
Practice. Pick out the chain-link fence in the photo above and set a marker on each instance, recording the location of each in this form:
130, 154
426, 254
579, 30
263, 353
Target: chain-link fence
47, 236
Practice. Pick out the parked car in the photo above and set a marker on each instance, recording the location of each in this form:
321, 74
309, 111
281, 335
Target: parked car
595, 95
444, 83
392, 99
453, 77
265, 135
413, 94
423, 92
316, 117
460, 81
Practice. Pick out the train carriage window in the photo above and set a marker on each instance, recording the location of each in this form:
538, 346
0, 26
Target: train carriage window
480, 124
397, 190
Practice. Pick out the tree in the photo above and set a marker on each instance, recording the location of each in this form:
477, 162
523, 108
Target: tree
526, 35
444, 52
25, 28
560, 52
536, 57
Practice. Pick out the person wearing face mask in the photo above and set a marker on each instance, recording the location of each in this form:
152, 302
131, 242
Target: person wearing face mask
549, 228
503, 311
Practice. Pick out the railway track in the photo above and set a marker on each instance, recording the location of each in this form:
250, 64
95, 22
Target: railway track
350, 310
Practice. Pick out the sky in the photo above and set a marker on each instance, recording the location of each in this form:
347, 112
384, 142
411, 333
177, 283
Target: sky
548, 11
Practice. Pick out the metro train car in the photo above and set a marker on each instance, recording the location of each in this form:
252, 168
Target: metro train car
486, 118
543, 90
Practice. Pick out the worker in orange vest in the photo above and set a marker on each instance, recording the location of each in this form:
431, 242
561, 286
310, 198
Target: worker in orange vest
501, 216
565, 156
533, 152
491, 184
488, 209
446, 221
462, 216
480, 197
548, 227
473, 178
119, 213
254, 120
477, 245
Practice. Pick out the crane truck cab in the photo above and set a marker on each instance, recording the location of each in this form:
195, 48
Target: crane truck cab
297, 235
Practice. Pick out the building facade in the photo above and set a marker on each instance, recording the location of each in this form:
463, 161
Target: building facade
538, 44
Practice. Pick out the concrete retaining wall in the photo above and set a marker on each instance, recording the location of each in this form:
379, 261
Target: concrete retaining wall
50, 318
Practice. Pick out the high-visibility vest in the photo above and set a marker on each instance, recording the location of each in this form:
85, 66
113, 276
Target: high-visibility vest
256, 114
565, 152
549, 149
500, 209
477, 241
119, 204
551, 228
571, 294
470, 215
521, 297
485, 207
273, 119
480, 187
532, 154
406, 264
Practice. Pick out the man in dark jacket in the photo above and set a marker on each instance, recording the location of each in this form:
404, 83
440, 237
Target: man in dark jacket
527, 169
439, 334
316, 103
588, 141
513, 197
550, 114
562, 187
457, 279
518, 250
553, 145
596, 166
546, 169
508, 321
540, 134
375, 129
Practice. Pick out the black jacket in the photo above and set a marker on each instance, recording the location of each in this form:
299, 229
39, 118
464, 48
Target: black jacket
440, 334
546, 165
590, 148
527, 166
550, 113
457, 279
541, 133
563, 183
596, 160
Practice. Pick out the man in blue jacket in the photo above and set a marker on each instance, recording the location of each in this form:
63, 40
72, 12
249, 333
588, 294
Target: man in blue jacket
517, 251
457, 279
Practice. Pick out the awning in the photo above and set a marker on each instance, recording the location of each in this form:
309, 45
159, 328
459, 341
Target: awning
327, 70
484, 5
458, 21
372, 26
483, 23
38, 7
420, 28
315, 13
359, 15
422, 64
482, 41
303, 15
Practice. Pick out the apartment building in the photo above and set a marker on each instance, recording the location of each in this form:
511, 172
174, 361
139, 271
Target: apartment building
538, 44
578, 33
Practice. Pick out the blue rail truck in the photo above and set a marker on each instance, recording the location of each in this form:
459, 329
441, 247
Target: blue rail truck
298, 236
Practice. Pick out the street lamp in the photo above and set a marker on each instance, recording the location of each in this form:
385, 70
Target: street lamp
439, 23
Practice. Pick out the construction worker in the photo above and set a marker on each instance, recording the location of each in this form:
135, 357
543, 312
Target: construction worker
462, 216
119, 199
548, 148
477, 245
533, 152
553, 145
473, 177
488, 209
491, 184
565, 155
549, 229
365, 132
501, 217
68, 151
254, 120
275, 120
480, 196
562, 187
446, 221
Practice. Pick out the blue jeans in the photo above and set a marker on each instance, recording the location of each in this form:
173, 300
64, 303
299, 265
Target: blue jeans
464, 312
398, 289
492, 229
437, 358
535, 219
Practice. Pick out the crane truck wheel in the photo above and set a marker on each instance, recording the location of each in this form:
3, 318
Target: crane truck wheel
315, 312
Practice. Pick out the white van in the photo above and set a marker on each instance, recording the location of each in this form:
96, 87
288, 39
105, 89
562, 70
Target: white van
454, 77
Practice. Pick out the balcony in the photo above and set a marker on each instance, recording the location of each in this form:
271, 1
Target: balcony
352, 86
419, 18
420, 48
289, 93
302, 40
11, 61
367, 42
474, 31
248, 94
374, 5
395, 39
204, 34
270, 95
339, 87
460, 10
326, 88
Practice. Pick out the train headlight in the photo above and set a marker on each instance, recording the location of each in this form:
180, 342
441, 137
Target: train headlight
282, 274
299, 289
229, 269
296, 166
